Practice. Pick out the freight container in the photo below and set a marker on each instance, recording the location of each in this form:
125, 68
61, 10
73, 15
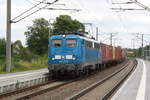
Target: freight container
124, 54
107, 53
118, 54
114, 53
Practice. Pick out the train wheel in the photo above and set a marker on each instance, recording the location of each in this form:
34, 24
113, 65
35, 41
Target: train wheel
55, 75
86, 71
80, 73
77, 73
73, 73
99, 67
104, 66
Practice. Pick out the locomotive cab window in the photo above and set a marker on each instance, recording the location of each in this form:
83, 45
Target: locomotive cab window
57, 43
88, 44
96, 45
71, 42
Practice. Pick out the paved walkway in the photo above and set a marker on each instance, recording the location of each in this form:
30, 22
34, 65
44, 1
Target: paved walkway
137, 86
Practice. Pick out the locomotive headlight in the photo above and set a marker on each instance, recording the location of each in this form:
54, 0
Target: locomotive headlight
57, 56
74, 57
69, 56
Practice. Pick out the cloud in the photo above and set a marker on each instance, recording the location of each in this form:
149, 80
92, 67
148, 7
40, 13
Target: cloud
97, 12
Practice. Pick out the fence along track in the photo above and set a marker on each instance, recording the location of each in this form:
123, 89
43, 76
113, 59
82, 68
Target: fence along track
22, 83
88, 89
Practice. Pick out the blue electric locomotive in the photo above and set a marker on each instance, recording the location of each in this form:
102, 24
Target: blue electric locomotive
73, 54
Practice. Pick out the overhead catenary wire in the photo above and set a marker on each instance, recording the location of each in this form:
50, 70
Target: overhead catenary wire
66, 9
30, 2
35, 11
62, 9
82, 6
26, 11
45, 2
36, 0
133, 2
120, 18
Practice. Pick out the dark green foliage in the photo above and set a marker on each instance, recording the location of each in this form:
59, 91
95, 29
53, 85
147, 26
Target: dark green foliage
22, 58
20, 52
26, 54
37, 36
140, 52
65, 24
2, 53
34, 56
2, 47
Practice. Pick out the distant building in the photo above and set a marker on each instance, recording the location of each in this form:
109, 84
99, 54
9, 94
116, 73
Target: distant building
130, 52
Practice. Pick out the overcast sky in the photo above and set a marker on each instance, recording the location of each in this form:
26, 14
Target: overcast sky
97, 12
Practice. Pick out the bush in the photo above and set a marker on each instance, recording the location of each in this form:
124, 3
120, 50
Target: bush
19, 65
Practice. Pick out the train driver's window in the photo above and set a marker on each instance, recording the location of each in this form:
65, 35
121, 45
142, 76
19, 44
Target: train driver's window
57, 43
71, 42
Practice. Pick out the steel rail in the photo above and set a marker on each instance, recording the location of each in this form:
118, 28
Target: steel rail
45, 90
93, 86
54, 87
18, 91
105, 97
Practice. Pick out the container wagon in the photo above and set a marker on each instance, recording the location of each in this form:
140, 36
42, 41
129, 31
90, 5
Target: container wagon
107, 54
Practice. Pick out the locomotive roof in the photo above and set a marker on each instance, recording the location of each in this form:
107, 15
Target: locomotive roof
76, 36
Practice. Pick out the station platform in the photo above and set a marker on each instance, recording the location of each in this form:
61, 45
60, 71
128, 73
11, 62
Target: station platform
25, 72
21, 76
137, 86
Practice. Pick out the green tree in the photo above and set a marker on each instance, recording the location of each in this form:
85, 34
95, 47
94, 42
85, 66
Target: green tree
20, 52
37, 36
65, 24
2, 47
140, 52
17, 47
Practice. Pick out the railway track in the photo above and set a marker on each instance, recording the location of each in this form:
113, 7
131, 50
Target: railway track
82, 94
31, 92
21, 90
43, 91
